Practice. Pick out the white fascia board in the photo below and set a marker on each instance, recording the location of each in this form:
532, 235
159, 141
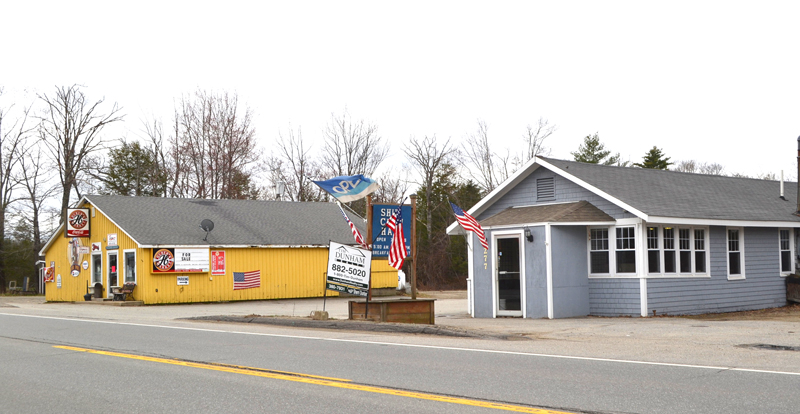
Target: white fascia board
593, 189
715, 222
499, 191
553, 223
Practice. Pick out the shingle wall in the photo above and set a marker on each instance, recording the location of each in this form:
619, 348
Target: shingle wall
763, 287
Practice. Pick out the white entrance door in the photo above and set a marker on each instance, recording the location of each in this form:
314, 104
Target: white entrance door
508, 278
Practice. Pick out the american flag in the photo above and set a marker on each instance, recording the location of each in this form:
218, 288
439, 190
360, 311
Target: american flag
246, 280
470, 224
397, 250
356, 233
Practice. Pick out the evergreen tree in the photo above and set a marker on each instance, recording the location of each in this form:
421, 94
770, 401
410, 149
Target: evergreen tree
592, 151
654, 159
133, 170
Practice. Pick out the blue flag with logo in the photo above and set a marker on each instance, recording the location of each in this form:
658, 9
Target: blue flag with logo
347, 189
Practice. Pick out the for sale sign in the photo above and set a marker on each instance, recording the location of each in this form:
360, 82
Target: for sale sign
171, 260
348, 269
77, 222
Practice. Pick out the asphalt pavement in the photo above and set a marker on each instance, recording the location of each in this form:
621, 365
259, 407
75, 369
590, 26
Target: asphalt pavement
759, 345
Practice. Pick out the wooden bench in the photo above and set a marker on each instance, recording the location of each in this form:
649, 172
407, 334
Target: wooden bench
121, 292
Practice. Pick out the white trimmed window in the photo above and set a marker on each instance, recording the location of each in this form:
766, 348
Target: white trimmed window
786, 246
735, 253
679, 251
653, 252
626, 250
598, 251
700, 251
612, 251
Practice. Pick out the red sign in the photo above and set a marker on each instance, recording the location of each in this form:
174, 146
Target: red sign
163, 260
218, 262
77, 222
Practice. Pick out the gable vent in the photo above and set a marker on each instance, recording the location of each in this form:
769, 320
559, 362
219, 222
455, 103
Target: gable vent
545, 189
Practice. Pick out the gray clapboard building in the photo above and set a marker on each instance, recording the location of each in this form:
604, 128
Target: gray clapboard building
570, 239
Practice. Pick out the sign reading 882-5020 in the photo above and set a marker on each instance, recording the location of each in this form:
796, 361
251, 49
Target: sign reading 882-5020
349, 270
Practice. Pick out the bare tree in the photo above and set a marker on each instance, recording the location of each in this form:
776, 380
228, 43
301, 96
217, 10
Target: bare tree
12, 139
692, 166
392, 189
213, 149
70, 130
534, 139
352, 147
427, 157
293, 167
487, 166
38, 186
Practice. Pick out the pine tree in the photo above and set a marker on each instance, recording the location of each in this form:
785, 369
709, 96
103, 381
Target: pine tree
654, 159
592, 151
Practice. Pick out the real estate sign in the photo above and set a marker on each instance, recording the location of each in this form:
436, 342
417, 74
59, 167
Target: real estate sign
348, 269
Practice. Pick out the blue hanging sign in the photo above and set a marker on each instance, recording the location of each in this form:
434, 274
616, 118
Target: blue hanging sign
383, 239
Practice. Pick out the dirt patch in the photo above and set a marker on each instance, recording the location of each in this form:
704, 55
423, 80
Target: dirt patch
788, 313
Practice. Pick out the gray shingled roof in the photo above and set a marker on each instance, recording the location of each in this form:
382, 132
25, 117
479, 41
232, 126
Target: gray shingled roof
581, 211
176, 221
685, 195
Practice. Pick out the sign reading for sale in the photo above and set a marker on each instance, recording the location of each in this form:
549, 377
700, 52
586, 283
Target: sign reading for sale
171, 260
77, 222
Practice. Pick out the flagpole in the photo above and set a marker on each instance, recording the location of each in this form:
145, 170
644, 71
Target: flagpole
466, 232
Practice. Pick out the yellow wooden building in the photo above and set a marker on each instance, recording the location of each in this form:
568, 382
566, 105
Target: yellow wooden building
256, 250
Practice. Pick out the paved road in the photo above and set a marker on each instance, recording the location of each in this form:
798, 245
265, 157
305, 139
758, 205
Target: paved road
35, 376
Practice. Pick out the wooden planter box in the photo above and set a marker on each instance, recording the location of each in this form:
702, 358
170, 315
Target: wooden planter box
397, 310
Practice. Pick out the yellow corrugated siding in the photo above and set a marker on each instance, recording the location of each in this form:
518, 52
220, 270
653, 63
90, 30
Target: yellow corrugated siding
285, 272
73, 288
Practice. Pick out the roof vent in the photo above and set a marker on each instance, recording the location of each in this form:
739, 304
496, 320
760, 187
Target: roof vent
207, 225
545, 189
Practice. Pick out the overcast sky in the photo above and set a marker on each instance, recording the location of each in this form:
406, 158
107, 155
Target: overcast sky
709, 81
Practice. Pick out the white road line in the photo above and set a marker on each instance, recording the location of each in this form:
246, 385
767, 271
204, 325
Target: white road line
448, 348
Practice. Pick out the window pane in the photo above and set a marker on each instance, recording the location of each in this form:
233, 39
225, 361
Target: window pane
683, 237
652, 237
626, 261
784, 239
669, 261
625, 238
599, 239
699, 262
130, 267
686, 261
699, 239
733, 240
786, 261
653, 265
733, 260
599, 262
669, 238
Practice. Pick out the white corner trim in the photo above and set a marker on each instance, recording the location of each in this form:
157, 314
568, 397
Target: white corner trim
643, 296
549, 265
